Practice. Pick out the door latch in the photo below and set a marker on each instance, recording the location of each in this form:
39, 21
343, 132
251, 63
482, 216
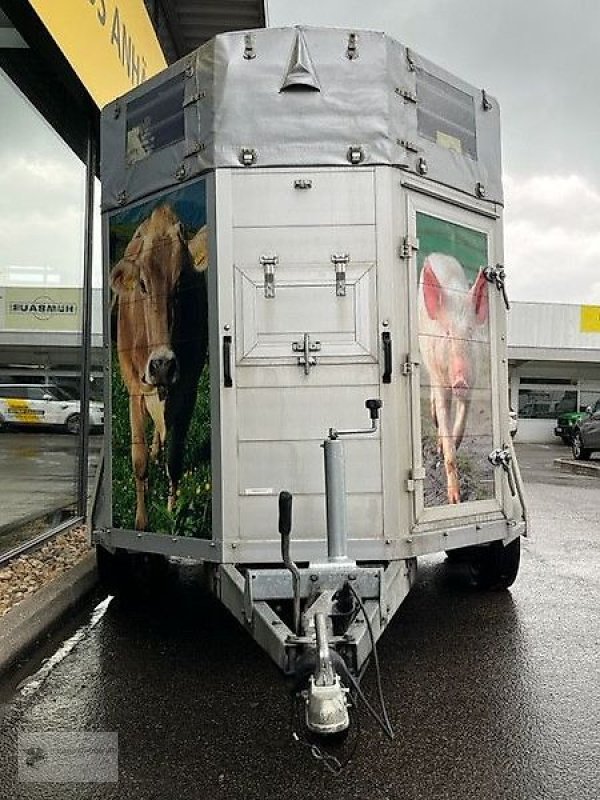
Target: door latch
306, 347
497, 276
269, 263
501, 457
340, 261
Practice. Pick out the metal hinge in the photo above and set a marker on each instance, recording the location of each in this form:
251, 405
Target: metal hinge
408, 246
194, 98
194, 149
406, 95
417, 474
409, 366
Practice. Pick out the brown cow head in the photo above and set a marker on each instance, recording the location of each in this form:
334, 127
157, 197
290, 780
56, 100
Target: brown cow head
145, 282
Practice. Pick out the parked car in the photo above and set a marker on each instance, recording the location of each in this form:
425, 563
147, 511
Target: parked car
44, 404
567, 423
586, 436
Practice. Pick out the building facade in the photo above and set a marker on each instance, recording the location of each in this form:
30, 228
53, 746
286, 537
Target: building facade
554, 364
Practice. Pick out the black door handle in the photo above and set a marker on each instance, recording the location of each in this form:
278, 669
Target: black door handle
227, 380
386, 341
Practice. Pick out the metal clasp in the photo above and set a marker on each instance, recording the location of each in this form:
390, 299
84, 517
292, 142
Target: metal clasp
352, 51
306, 347
249, 51
501, 457
497, 276
268, 264
355, 154
248, 156
340, 261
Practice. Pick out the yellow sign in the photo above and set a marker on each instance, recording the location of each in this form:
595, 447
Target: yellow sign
110, 44
590, 319
42, 309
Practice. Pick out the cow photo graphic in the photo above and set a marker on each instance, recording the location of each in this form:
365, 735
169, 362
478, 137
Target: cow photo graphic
161, 477
454, 341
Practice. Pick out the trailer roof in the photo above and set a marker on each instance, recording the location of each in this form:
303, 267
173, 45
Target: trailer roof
301, 97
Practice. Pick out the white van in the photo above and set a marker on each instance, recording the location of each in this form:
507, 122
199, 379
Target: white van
43, 404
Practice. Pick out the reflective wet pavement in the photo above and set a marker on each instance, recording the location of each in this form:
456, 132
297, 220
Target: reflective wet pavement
493, 696
38, 474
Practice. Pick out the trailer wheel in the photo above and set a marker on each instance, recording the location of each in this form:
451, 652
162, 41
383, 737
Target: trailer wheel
125, 574
114, 570
460, 555
495, 566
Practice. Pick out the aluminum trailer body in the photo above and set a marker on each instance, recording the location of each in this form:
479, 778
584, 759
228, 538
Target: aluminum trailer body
328, 206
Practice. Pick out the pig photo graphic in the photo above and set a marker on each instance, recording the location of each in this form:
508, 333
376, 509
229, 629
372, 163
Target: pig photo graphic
453, 318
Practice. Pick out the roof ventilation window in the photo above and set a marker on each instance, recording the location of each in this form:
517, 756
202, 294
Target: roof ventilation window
155, 120
300, 73
446, 115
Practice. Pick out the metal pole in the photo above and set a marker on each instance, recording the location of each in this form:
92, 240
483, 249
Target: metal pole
86, 322
335, 494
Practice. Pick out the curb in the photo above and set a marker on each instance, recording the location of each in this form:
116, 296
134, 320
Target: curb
34, 617
578, 467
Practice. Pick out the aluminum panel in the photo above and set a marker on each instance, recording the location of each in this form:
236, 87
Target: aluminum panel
298, 468
336, 197
365, 519
308, 413
304, 244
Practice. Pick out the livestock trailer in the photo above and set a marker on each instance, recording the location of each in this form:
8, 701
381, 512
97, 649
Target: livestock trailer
305, 303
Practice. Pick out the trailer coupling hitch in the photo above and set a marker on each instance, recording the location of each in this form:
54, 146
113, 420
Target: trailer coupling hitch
326, 699
326, 709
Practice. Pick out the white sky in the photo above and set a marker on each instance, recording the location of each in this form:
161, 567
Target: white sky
539, 58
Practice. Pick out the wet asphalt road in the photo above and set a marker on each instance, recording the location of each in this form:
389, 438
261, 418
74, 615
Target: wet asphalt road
493, 696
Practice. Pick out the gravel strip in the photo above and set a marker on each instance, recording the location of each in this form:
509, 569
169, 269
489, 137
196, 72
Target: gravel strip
26, 575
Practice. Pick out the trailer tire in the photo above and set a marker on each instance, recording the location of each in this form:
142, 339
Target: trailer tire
125, 574
114, 570
460, 555
495, 567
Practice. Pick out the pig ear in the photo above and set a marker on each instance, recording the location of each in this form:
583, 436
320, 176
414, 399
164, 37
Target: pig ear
479, 298
433, 294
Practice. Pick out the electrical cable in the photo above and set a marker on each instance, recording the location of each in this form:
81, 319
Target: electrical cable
385, 722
